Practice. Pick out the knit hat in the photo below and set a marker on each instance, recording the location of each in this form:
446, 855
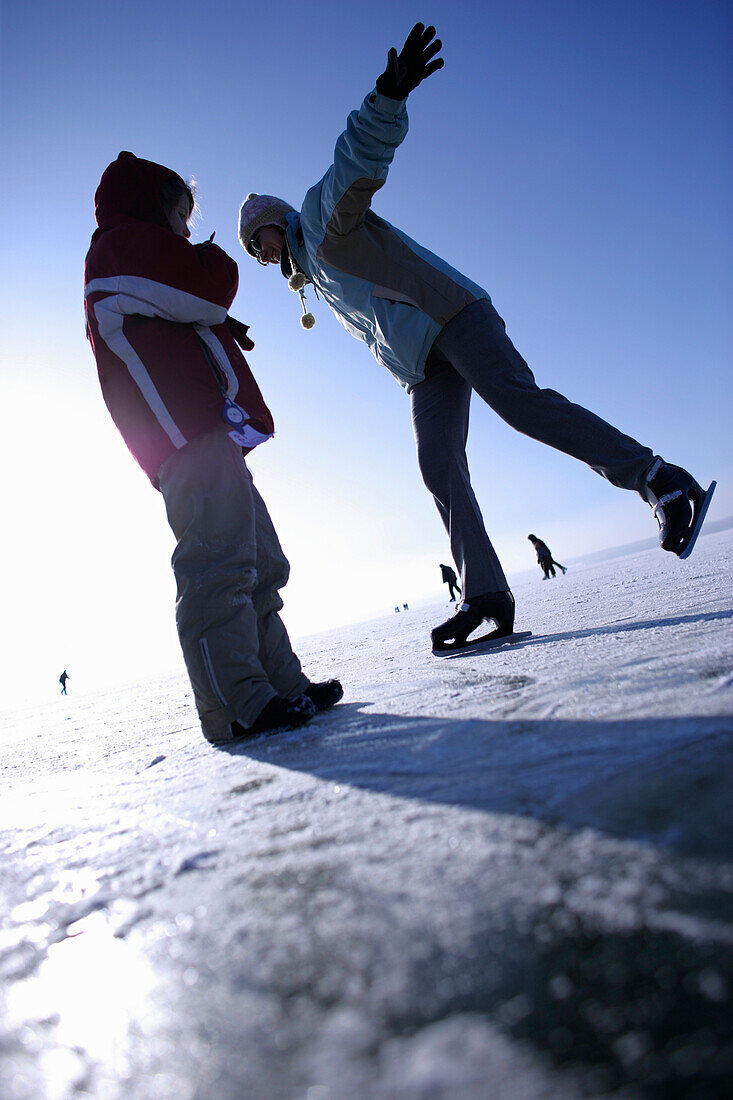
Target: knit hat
258, 211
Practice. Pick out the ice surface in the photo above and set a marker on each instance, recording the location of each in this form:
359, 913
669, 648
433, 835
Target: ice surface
499, 875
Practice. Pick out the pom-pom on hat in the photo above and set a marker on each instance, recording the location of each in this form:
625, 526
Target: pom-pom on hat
257, 211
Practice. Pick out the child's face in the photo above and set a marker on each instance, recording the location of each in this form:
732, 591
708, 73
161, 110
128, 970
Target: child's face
268, 244
178, 217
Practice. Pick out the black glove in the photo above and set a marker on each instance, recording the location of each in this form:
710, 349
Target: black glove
405, 70
239, 332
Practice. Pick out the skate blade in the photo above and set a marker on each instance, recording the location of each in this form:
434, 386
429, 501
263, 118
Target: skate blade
487, 641
700, 514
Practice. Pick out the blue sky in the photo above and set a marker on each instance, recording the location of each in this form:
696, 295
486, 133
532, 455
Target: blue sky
572, 157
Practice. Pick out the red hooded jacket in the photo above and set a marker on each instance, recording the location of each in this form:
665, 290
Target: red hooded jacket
156, 308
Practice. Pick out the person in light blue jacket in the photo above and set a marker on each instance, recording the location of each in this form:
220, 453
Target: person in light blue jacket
437, 332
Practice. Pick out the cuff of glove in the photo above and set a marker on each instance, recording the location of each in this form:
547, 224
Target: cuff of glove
386, 104
240, 332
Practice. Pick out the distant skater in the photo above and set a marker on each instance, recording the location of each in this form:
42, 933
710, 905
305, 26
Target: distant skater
62, 680
544, 557
438, 333
450, 578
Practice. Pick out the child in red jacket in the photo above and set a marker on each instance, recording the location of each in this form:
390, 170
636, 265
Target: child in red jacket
182, 395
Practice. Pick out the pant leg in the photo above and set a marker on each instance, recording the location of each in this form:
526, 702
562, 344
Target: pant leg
275, 652
208, 495
440, 407
476, 344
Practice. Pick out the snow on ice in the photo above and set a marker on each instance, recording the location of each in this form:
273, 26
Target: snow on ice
504, 875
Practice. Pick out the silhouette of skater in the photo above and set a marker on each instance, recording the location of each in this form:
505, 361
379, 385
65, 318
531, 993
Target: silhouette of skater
189, 409
438, 333
62, 680
451, 580
545, 558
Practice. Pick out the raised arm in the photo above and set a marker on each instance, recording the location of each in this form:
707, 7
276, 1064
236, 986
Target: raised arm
367, 146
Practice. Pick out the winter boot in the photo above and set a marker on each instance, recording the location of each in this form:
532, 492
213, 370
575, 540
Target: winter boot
453, 634
278, 714
325, 694
679, 504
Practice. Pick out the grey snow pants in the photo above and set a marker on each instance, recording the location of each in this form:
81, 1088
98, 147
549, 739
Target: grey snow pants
473, 352
229, 567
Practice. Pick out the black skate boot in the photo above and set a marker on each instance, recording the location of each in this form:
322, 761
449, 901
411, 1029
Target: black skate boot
679, 504
278, 714
325, 694
454, 634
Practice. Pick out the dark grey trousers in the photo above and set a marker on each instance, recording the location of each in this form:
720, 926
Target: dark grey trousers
229, 569
473, 352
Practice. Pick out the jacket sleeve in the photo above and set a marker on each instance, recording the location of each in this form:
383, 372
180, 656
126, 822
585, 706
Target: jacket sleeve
361, 161
143, 269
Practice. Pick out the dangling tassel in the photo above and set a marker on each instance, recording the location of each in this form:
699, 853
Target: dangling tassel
297, 283
297, 279
307, 320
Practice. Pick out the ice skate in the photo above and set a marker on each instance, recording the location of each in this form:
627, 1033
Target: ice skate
455, 633
278, 714
325, 694
679, 504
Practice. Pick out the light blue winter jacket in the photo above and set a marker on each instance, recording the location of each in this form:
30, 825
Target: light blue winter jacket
383, 287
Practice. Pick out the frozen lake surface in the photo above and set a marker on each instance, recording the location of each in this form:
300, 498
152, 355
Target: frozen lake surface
500, 876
